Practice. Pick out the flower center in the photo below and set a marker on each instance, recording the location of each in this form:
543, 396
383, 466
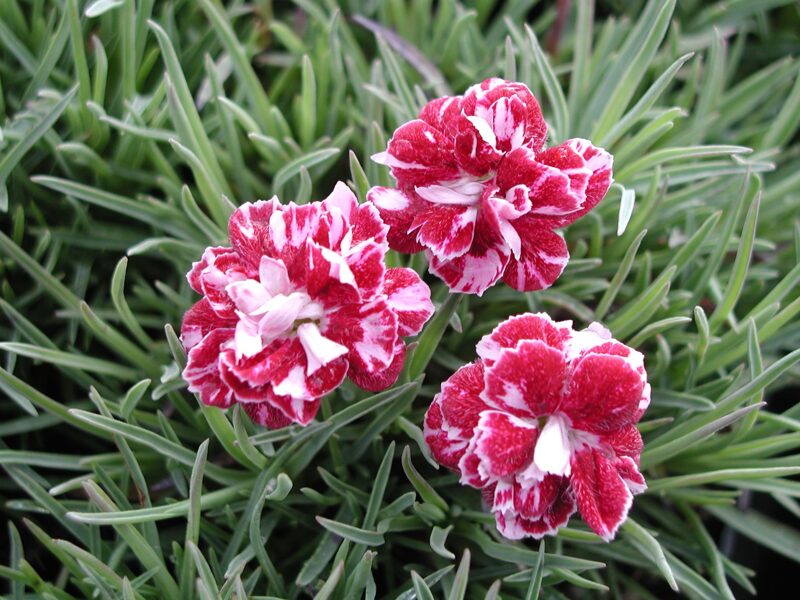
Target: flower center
271, 309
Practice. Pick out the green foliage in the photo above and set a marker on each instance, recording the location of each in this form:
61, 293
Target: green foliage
129, 129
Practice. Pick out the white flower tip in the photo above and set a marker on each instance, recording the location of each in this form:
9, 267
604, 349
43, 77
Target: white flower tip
380, 158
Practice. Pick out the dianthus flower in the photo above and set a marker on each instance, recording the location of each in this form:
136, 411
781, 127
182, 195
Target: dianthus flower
302, 299
477, 190
544, 422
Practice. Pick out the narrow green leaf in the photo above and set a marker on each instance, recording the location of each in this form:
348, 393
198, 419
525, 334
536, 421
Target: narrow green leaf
350, 532
645, 540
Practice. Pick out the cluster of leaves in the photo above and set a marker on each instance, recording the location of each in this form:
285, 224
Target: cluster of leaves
128, 488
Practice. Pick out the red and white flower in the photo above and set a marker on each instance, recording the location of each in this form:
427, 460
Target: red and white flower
300, 300
477, 190
544, 422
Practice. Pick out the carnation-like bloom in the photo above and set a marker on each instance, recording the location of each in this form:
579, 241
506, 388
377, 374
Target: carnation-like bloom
302, 299
544, 422
477, 190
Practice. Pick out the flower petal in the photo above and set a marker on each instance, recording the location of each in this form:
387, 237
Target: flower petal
398, 210
297, 410
629, 471
328, 279
213, 272
603, 394
200, 320
551, 189
507, 105
292, 382
528, 326
447, 231
419, 154
202, 371
503, 443
267, 415
526, 380
369, 331
553, 448
460, 399
367, 224
626, 442
446, 449
550, 503
442, 113
249, 230
600, 163
602, 496
473, 272
409, 297
382, 379
542, 260
319, 350
247, 375
367, 262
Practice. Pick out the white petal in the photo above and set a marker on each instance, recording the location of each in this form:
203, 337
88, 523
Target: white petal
484, 130
280, 313
294, 385
511, 237
552, 448
246, 339
273, 276
319, 349
339, 267
248, 295
439, 194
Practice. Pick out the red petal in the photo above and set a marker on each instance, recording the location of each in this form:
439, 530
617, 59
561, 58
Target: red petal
328, 279
603, 394
295, 409
368, 265
481, 98
504, 444
260, 368
460, 398
419, 154
409, 297
447, 450
629, 471
528, 326
202, 371
534, 500
367, 224
199, 320
600, 163
543, 258
538, 510
217, 268
527, 380
475, 155
556, 179
602, 496
249, 230
470, 468
383, 379
626, 442
264, 413
369, 331
293, 382
446, 230
475, 271
398, 210
442, 113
